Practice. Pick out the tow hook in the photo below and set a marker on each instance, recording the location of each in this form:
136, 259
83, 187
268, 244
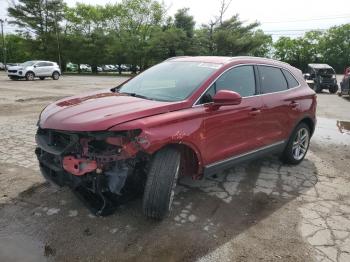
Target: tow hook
78, 166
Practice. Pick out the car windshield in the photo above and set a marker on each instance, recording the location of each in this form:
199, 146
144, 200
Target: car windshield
28, 63
169, 81
326, 71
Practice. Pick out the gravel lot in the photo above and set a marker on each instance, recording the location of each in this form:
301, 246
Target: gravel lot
258, 211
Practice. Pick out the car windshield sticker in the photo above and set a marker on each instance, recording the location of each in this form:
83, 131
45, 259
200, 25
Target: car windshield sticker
210, 65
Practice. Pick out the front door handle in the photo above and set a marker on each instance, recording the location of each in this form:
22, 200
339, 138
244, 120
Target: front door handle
255, 112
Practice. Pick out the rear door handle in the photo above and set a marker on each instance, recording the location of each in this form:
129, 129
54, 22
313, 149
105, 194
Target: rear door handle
294, 104
255, 112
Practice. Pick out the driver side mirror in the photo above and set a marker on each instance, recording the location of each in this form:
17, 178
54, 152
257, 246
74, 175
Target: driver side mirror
35, 66
226, 98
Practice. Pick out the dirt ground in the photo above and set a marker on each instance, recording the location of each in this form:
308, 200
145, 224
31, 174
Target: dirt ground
257, 211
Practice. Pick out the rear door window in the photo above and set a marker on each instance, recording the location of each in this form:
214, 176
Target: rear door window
292, 82
272, 80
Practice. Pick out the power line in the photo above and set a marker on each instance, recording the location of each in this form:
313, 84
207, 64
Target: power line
295, 30
309, 19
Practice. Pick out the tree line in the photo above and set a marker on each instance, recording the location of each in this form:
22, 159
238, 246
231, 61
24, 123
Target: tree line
139, 32
331, 46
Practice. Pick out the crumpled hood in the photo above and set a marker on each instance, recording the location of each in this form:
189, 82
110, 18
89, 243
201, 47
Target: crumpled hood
100, 111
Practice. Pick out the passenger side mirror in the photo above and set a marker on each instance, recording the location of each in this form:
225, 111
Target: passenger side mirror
307, 76
226, 98
35, 66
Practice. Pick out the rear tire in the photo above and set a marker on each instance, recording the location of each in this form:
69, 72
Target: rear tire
333, 89
55, 75
30, 76
161, 182
297, 146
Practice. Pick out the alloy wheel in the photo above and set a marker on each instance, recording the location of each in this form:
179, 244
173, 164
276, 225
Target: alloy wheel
30, 76
300, 143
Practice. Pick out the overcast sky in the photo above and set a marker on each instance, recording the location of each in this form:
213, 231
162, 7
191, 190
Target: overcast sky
276, 17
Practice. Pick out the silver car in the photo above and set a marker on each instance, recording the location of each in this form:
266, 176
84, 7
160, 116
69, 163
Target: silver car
32, 69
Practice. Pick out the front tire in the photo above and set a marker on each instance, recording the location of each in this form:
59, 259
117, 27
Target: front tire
161, 182
298, 145
317, 88
333, 89
30, 76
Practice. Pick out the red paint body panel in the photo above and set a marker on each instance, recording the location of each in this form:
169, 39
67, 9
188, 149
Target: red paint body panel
100, 111
212, 133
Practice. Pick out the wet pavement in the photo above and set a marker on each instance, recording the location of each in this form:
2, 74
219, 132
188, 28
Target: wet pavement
332, 131
258, 211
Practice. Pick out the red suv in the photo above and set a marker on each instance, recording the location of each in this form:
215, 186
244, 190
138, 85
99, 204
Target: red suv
186, 116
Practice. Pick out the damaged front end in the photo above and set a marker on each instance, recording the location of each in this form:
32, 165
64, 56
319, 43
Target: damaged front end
105, 169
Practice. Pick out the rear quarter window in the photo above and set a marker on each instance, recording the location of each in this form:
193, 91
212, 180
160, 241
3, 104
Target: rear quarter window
272, 79
292, 82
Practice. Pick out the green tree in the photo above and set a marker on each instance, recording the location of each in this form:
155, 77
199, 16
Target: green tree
335, 46
330, 46
85, 38
39, 19
231, 37
140, 19
17, 48
185, 21
168, 43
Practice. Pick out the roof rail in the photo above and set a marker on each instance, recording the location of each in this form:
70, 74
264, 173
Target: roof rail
256, 57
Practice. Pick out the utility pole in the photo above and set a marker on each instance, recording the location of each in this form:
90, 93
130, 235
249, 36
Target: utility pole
58, 42
3, 42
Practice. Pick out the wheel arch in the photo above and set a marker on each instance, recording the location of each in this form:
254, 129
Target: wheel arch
29, 71
308, 120
310, 123
191, 159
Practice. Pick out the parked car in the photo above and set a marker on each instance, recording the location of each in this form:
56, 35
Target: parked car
321, 76
187, 116
32, 69
345, 83
113, 68
2, 66
124, 68
70, 67
11, 64
107, 68
85, 68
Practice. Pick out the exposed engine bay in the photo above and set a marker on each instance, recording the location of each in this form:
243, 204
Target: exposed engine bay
104, 169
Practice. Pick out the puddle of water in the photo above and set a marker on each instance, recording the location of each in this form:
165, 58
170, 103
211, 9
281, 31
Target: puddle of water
332, 131
344, 127
17, 248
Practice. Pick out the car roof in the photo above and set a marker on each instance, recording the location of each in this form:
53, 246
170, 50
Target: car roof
320, 66
37, 61
225, 59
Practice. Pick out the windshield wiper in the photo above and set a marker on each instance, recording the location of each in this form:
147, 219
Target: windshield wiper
137, 95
